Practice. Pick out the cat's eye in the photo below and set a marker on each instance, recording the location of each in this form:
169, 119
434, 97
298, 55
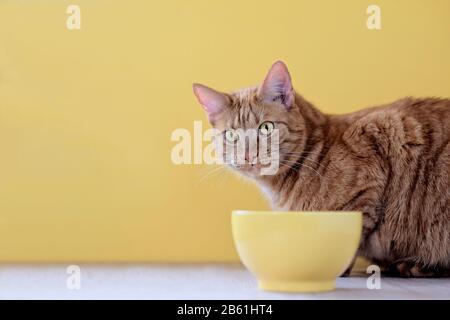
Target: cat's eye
231, 135
266, 128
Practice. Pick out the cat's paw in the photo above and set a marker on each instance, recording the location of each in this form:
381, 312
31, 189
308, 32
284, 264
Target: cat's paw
346, 273
409, 270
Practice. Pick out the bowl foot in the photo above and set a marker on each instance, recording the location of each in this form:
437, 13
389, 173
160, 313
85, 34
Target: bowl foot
297, 286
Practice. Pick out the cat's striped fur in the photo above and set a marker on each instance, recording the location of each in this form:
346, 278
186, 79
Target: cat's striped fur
391, 162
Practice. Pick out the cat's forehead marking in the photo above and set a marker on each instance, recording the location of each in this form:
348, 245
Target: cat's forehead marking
245, 108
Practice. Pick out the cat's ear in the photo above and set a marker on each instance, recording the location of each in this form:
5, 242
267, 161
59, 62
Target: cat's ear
211, 100
278, 85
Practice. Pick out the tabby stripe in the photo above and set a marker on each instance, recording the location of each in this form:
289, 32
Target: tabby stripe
325, 146
293, 177
413, 186
358, 195
439, 153
431, 165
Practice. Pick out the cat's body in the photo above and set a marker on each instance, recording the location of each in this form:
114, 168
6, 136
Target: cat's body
391, 162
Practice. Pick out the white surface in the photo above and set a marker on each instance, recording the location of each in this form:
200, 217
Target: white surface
195, 281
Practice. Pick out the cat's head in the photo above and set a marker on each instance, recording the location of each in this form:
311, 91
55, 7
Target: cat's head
267, 114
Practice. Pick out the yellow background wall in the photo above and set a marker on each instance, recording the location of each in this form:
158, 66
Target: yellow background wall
86, 116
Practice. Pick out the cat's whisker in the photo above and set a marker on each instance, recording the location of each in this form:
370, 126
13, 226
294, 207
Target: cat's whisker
211, 173
302, 154
306, 158
271, 160
281, 149
305, 165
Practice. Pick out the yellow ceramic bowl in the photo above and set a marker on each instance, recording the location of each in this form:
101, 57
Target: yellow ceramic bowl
296, 251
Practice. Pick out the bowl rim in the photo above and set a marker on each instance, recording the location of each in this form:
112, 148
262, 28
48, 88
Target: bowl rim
290, 213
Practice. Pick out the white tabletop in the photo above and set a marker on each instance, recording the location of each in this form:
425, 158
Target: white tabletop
192, 281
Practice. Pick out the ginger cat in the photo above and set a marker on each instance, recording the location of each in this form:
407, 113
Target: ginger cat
391, 162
